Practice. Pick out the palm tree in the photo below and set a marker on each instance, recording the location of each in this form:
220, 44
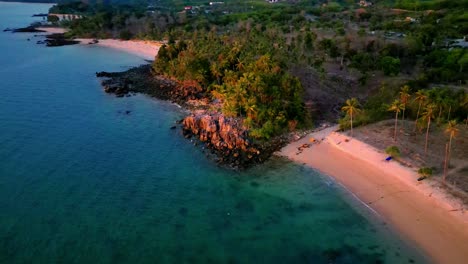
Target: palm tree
428, 115
240, 65
404, 97
424, 172
396, 107
351, 108
421, 97
216, 71
436, 96
464, 104
452, 130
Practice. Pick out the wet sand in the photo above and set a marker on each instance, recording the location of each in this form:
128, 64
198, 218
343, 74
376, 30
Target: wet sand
424, 214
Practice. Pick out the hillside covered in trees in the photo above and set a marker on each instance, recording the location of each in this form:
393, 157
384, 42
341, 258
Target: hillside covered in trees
278, 65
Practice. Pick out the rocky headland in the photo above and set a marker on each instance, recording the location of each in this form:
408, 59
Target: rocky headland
51, 40
57, 40
225, 139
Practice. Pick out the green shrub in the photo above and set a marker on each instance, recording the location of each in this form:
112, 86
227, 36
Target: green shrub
424, 172
390, 66
393, 151
358, 120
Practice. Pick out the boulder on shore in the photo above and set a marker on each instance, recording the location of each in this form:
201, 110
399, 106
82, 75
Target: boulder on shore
228, 139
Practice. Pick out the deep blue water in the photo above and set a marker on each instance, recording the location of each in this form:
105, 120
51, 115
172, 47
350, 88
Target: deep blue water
81, 181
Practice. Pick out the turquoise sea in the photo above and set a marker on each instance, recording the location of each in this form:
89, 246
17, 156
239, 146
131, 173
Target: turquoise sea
81, 181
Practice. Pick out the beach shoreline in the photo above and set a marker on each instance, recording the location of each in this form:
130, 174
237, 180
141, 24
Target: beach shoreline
144, 49
421, 212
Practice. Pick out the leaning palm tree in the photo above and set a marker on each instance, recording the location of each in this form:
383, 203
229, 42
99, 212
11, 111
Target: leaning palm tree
396, 107
404, 97
421, 97
428, 115
351, 108
452, 131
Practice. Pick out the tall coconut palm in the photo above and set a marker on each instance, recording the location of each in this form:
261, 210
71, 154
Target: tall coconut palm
436, 97
420, 97
452, 130
464, 104
449, 101
404, 97
428, 115
351, 108
396, 107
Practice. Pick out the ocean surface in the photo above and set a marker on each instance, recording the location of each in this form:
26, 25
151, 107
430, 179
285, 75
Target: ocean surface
83, 181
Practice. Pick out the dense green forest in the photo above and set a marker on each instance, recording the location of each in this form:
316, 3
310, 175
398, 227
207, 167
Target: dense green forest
245, 72
256, 58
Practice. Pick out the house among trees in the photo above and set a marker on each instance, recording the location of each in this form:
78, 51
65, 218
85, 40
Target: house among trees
410, 19
364, 3
272, 1
459, 43
61, 17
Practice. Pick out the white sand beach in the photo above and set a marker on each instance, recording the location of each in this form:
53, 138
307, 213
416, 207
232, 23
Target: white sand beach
142, 48
424, 214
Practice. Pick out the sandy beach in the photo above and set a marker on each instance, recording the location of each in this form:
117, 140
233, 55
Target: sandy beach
141, 48
425, 215
422, 212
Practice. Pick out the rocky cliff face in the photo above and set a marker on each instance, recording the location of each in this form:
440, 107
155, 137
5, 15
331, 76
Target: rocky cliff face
224, 137
228, 139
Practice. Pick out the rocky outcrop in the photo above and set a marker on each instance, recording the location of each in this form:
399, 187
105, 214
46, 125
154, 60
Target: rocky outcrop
228, 139
52, 40
59, 39
30, 29
142, 80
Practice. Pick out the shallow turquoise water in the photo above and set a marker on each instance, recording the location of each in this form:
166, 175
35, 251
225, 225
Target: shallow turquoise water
83, 182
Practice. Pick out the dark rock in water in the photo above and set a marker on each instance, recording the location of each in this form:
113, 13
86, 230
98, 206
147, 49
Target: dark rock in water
107, 74
40, 15
58, 43
138, 79
173, 127
59, 39
29, 29
245, 206
128, 112
179, 226
7, 29
183, 211
142, 79
254, 184
332, 254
